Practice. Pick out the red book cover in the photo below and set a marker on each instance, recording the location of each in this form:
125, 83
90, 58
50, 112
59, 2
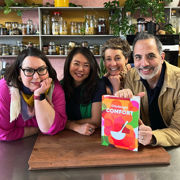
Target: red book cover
120, 118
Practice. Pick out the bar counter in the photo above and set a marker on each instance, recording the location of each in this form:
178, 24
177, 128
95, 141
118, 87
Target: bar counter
14, 158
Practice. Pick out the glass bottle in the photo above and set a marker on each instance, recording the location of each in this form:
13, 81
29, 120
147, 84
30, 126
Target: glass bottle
46, 28
30, 27
24, 29
91, 25
55, 28
8, 25
173, 21
46, 24
87, 24
52, 48
101, 26
74, 29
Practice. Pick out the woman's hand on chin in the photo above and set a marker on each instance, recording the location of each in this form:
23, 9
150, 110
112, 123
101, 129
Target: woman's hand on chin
44, 86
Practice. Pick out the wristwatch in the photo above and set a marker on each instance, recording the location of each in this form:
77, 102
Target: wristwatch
40, 98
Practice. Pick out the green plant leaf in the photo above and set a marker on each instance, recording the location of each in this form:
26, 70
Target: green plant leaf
7, 10
19, 12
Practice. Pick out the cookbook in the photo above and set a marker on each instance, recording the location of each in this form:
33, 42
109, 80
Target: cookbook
119, 126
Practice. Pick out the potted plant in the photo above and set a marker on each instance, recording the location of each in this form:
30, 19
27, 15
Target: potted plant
118, 21
10, 3
139, 8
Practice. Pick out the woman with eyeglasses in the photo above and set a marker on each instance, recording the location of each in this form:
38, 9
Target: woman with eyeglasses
83, 90
31, 98
115, 54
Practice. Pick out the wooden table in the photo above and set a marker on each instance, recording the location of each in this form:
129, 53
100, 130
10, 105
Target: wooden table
69, 149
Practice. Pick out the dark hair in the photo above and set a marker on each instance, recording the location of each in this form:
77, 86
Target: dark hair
89, 84
117, 43
144, 36
12, 72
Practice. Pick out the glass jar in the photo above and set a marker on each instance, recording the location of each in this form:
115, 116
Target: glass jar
61, 50
21, 47
55, 28
174, 21
66, 50
3, 31
14, 31
74, 28
101, 29
14, 25
20, 28
100, 49
36, 46
84, 44
91, 25
30, 27
80, 28
14, 50
46, 28
72, 44
5, 50
87, 24
8, 25
63, 28
52, 48
91, 48
45, 49
24, 29
141, 24
96, 50
56, 16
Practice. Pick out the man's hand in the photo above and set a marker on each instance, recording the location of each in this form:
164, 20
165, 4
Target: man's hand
145, 134
127, 93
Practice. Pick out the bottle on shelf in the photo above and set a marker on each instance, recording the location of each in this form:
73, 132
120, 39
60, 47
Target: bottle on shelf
87, 24
30, 28
46, 24
101, 26
173, 21
24, 29
55, 28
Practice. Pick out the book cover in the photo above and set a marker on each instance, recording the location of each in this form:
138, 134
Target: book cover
119, 126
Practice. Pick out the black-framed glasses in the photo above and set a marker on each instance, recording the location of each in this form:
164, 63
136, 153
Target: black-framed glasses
29, 72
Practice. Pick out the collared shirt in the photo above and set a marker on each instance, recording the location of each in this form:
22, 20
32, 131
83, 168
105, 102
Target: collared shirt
153, 94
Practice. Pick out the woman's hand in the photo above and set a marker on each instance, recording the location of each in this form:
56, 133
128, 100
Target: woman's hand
115, 81
84, 128
145, 134
44, 86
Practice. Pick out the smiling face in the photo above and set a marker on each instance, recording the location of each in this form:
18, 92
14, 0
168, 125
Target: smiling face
79, 68
31, 62
114, 61
147, 59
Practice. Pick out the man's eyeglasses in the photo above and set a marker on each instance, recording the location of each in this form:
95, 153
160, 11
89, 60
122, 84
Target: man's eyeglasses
29, 72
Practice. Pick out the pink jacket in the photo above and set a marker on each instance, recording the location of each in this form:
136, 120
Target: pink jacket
15, 130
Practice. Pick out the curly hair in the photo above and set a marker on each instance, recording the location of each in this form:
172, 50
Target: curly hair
117, 43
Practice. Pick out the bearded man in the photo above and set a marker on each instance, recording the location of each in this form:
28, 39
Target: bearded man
159, 84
